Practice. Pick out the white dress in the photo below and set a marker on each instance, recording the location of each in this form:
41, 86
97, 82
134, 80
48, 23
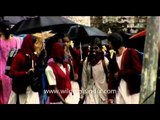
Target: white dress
29, 97
123, 96
95, 89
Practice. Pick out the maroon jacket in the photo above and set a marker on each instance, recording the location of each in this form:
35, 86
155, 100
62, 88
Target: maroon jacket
130, 71
21, 64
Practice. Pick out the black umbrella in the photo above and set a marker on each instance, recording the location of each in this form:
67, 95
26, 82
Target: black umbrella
84, 34
14, 19
86, 31
41, 23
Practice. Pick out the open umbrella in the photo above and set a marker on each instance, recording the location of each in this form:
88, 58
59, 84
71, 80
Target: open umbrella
137, 41
142, 33
86, 31
14, 19
41, 23
84, 34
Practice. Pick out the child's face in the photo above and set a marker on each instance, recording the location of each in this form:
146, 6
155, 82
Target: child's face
66, 41
96, 50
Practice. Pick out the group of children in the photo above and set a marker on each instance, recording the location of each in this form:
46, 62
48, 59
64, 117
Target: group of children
58, 75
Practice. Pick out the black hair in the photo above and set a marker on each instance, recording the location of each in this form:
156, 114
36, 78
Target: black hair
5, 28
59, 36
96, 42
116, 41
59, 60
34, 39
65, 35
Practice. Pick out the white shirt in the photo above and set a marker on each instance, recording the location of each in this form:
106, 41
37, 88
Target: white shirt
119, 58
51, 76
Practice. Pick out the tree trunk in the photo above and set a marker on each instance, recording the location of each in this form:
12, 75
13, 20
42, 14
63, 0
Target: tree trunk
150, 62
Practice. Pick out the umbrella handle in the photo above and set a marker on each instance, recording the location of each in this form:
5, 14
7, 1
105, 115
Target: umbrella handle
32, 60
32, 63
81, 52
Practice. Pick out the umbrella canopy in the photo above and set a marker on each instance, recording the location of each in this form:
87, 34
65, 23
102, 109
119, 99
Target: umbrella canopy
137, 40
41, 23
84, 34
14, 19
142, 33
83, 31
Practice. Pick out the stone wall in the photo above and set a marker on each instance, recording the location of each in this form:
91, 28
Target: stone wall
96, 21
84, 20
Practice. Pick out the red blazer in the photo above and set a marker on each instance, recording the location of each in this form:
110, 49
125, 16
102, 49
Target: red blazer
19, 67
21, 64
130, 63
130, 71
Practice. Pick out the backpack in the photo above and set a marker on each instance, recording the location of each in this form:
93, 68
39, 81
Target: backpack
10, 58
